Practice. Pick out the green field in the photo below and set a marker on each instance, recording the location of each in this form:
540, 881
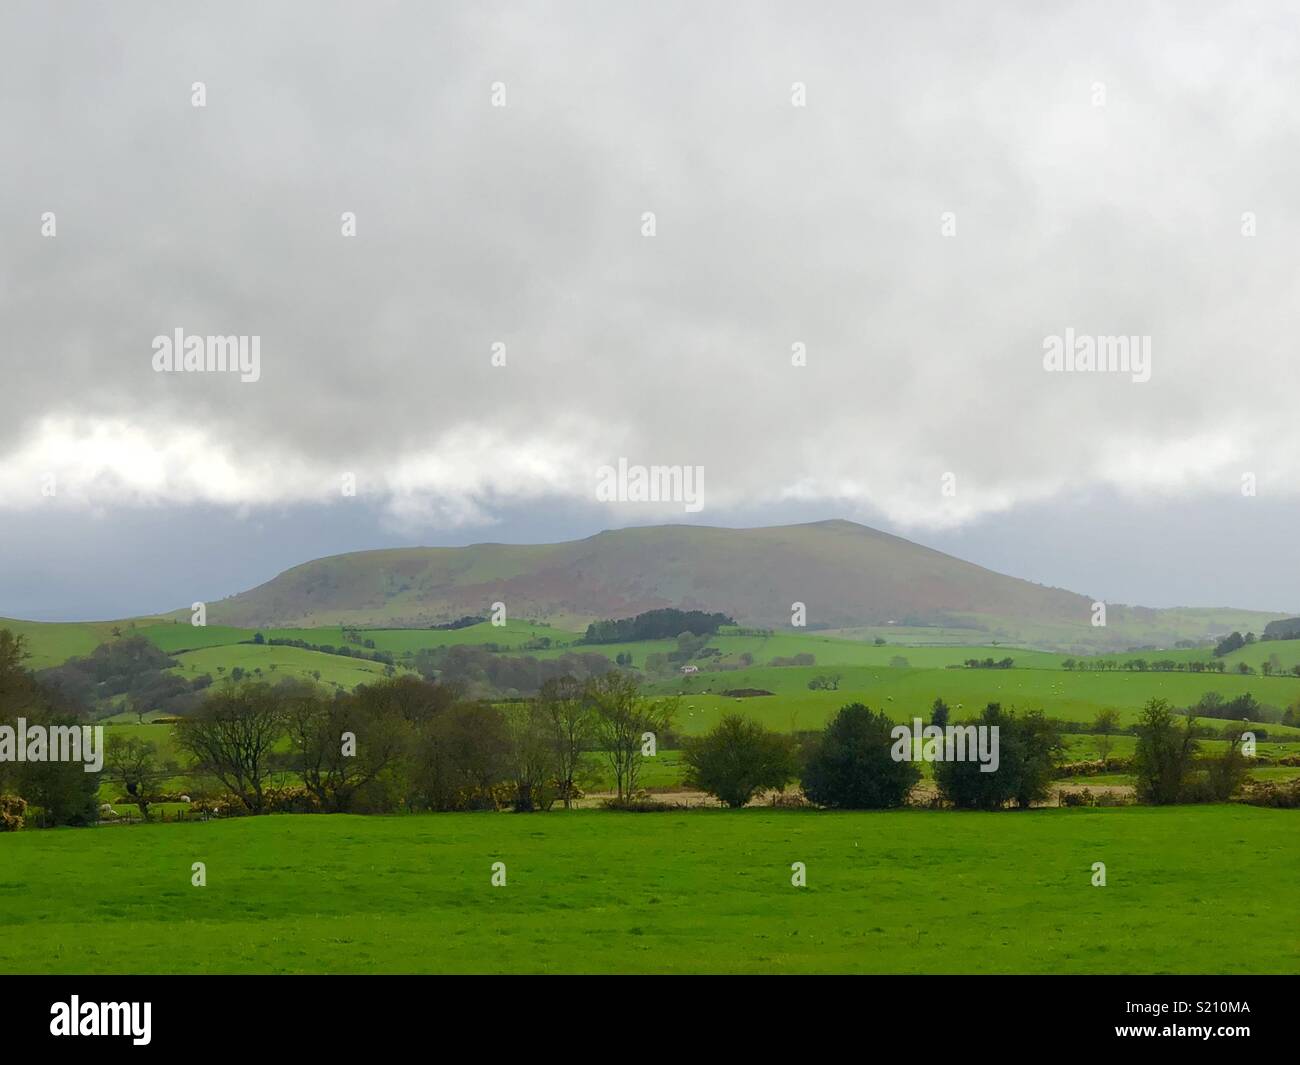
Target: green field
903, 693
51, 643
829, 651
1126, 626
175, 638
1083, 747
1195, 890
868, 673
278, 662
923, 648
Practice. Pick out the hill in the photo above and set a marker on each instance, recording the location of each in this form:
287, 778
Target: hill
849, 576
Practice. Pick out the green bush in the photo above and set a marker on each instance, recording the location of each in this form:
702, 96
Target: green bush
1164, 754
1028, 748
851, 768
738, 759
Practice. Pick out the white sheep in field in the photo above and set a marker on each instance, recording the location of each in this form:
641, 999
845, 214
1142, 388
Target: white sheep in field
185, 798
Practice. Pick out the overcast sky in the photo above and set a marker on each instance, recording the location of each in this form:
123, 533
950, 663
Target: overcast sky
964, 181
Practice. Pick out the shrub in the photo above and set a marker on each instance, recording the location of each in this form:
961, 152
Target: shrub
13, 813
1087, 797
1284, 794
851, 768
791, 801
1094, 768
1164, 754
1027, 750
641, 806
1225, 775
738, 759
293, 799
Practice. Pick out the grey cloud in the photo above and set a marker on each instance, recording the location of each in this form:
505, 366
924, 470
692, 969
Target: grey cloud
776, 225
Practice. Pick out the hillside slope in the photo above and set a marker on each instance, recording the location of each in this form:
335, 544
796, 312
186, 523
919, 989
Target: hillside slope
848, 576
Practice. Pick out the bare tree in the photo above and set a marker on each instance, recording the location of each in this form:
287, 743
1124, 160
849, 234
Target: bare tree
622, 720
1106, 723
133, 763
531, 756
231, 737
342, 744
571, 722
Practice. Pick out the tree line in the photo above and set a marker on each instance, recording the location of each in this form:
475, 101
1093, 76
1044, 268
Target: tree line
656, 625
851, 764
406, 743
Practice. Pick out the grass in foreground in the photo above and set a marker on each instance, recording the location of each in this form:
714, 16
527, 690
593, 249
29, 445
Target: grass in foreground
1192, 889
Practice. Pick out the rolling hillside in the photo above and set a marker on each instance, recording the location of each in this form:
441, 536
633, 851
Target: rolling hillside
849, 576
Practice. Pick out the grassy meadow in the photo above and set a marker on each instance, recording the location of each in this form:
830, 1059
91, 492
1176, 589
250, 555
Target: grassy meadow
50, 643
902, 693
277, 662
1188, 890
